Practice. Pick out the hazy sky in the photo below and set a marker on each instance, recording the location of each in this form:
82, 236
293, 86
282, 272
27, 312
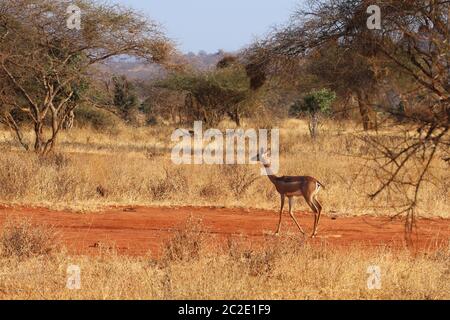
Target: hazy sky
215, 24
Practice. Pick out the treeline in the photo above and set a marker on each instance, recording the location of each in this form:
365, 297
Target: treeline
314, 69
325, 63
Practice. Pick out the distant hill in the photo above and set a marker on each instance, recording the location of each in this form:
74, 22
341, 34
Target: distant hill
138, 70
203, 60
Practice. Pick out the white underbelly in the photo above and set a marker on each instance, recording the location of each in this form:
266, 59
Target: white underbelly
294, 194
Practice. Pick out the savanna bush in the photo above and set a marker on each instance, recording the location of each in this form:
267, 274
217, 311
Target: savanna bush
24, 239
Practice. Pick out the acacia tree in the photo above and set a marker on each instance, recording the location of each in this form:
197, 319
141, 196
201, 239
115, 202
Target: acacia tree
47, 66
349, 74
415, 39
314, 105
211, 95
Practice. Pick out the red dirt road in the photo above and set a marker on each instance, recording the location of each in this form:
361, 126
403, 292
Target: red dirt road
139, 230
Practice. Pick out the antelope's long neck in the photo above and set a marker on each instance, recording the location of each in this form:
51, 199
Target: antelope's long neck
270, 174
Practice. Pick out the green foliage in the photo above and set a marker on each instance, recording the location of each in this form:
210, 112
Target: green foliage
317, 101
314, 105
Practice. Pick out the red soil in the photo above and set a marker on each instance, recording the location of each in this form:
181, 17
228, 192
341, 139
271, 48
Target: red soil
138, 230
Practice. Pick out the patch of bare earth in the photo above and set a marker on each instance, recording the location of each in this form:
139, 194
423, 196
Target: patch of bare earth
142, 230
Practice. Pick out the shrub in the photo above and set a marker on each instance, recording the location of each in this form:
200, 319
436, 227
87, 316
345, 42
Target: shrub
240, 178
186, 243
23, 239
258, 263
174, 182
100, 120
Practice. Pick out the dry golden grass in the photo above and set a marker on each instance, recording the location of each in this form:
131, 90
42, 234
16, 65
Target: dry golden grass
131, 166
24, 239
196, 268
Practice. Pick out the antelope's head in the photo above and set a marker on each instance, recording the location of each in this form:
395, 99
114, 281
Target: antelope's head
262, 156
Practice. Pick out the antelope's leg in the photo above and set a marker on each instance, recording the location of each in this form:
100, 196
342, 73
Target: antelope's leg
319, 208
281, 213
315, 209
292, 215
315, 225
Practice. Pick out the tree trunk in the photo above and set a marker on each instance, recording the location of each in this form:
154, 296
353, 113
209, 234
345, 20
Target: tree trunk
367, 115
235, 116
313, 124
68, 121
38, 138
41, 144
50, 143
237, 119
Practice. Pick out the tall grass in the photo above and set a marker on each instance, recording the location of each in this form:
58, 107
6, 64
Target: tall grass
130, 166
196, 268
